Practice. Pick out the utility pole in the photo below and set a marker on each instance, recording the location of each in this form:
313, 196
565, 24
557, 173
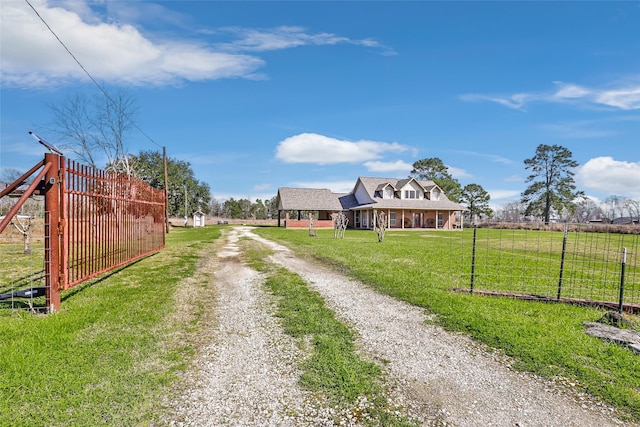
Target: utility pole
186, 218
166, 190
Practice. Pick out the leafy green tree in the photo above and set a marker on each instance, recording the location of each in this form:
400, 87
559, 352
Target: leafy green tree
232, 208
434, 169
552, 184
477, 200
186, 193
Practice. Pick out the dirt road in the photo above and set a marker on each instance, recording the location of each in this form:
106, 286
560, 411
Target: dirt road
248, 375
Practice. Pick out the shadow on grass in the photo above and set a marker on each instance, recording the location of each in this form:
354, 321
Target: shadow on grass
39, 304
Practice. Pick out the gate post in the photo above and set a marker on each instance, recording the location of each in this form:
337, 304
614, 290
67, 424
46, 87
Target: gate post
52, 231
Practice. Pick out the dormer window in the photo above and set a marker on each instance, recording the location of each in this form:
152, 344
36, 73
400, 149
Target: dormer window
388, 193
410, 194
435, 194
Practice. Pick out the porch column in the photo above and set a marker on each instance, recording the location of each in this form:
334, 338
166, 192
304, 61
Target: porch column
437, 219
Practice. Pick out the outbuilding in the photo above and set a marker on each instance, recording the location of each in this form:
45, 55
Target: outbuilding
198, 219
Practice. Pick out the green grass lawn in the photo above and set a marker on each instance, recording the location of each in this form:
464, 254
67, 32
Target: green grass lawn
107, 356
112, 352
545, 338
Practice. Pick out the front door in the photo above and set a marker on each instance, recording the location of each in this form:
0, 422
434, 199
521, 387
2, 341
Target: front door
417, 220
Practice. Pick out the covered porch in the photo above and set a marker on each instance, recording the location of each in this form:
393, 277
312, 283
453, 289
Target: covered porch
401, 219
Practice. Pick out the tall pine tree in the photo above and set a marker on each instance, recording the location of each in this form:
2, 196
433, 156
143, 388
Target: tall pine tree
552, 185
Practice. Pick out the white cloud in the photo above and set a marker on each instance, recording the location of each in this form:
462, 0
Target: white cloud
570, 91
335, 186
503, 194
261, 187
121, 53
515, 102
286, 37
624, 99
458, 173
116, 53
383, 167
491, 157
624, 96
610, 176
323, 150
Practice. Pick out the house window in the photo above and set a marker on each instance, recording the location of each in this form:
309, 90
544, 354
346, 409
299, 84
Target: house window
409, 194
357, 219
435, 194
440, 220
392, 219
388, 193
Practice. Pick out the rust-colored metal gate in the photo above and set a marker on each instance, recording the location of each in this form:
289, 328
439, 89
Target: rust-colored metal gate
95, 221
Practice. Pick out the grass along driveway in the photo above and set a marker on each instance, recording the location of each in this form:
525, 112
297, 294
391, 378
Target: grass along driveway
547, 339
107, 357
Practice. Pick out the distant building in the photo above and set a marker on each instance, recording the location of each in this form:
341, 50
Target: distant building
198, 219
626, 220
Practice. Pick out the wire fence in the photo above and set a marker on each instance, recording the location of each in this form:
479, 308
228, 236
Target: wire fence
22, 266
573, 263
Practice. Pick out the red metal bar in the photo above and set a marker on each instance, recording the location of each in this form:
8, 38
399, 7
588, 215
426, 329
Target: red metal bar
14, 210
64, 256
15, 184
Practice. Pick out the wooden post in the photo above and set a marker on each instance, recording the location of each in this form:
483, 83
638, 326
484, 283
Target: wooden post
52, 232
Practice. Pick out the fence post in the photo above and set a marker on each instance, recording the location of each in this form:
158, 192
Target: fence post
473, 256
564, 250
622, 268
52, 237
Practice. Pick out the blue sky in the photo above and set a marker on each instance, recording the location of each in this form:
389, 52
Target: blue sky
261, 95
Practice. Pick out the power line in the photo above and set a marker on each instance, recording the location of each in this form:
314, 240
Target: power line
106, 94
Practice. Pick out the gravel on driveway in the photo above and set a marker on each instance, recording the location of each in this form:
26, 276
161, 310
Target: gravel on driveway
248, 375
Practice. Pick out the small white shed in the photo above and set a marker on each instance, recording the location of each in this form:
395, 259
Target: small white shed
198, 219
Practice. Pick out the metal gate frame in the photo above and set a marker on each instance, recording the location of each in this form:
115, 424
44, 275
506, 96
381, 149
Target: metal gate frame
95, 221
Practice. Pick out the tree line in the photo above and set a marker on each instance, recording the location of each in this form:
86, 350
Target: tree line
95, 129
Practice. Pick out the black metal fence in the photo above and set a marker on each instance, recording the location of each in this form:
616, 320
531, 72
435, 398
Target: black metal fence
575, 263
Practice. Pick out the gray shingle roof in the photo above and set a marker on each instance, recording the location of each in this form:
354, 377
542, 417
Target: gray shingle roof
312, 199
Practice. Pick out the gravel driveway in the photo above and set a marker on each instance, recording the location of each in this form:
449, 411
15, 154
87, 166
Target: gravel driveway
248, 375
